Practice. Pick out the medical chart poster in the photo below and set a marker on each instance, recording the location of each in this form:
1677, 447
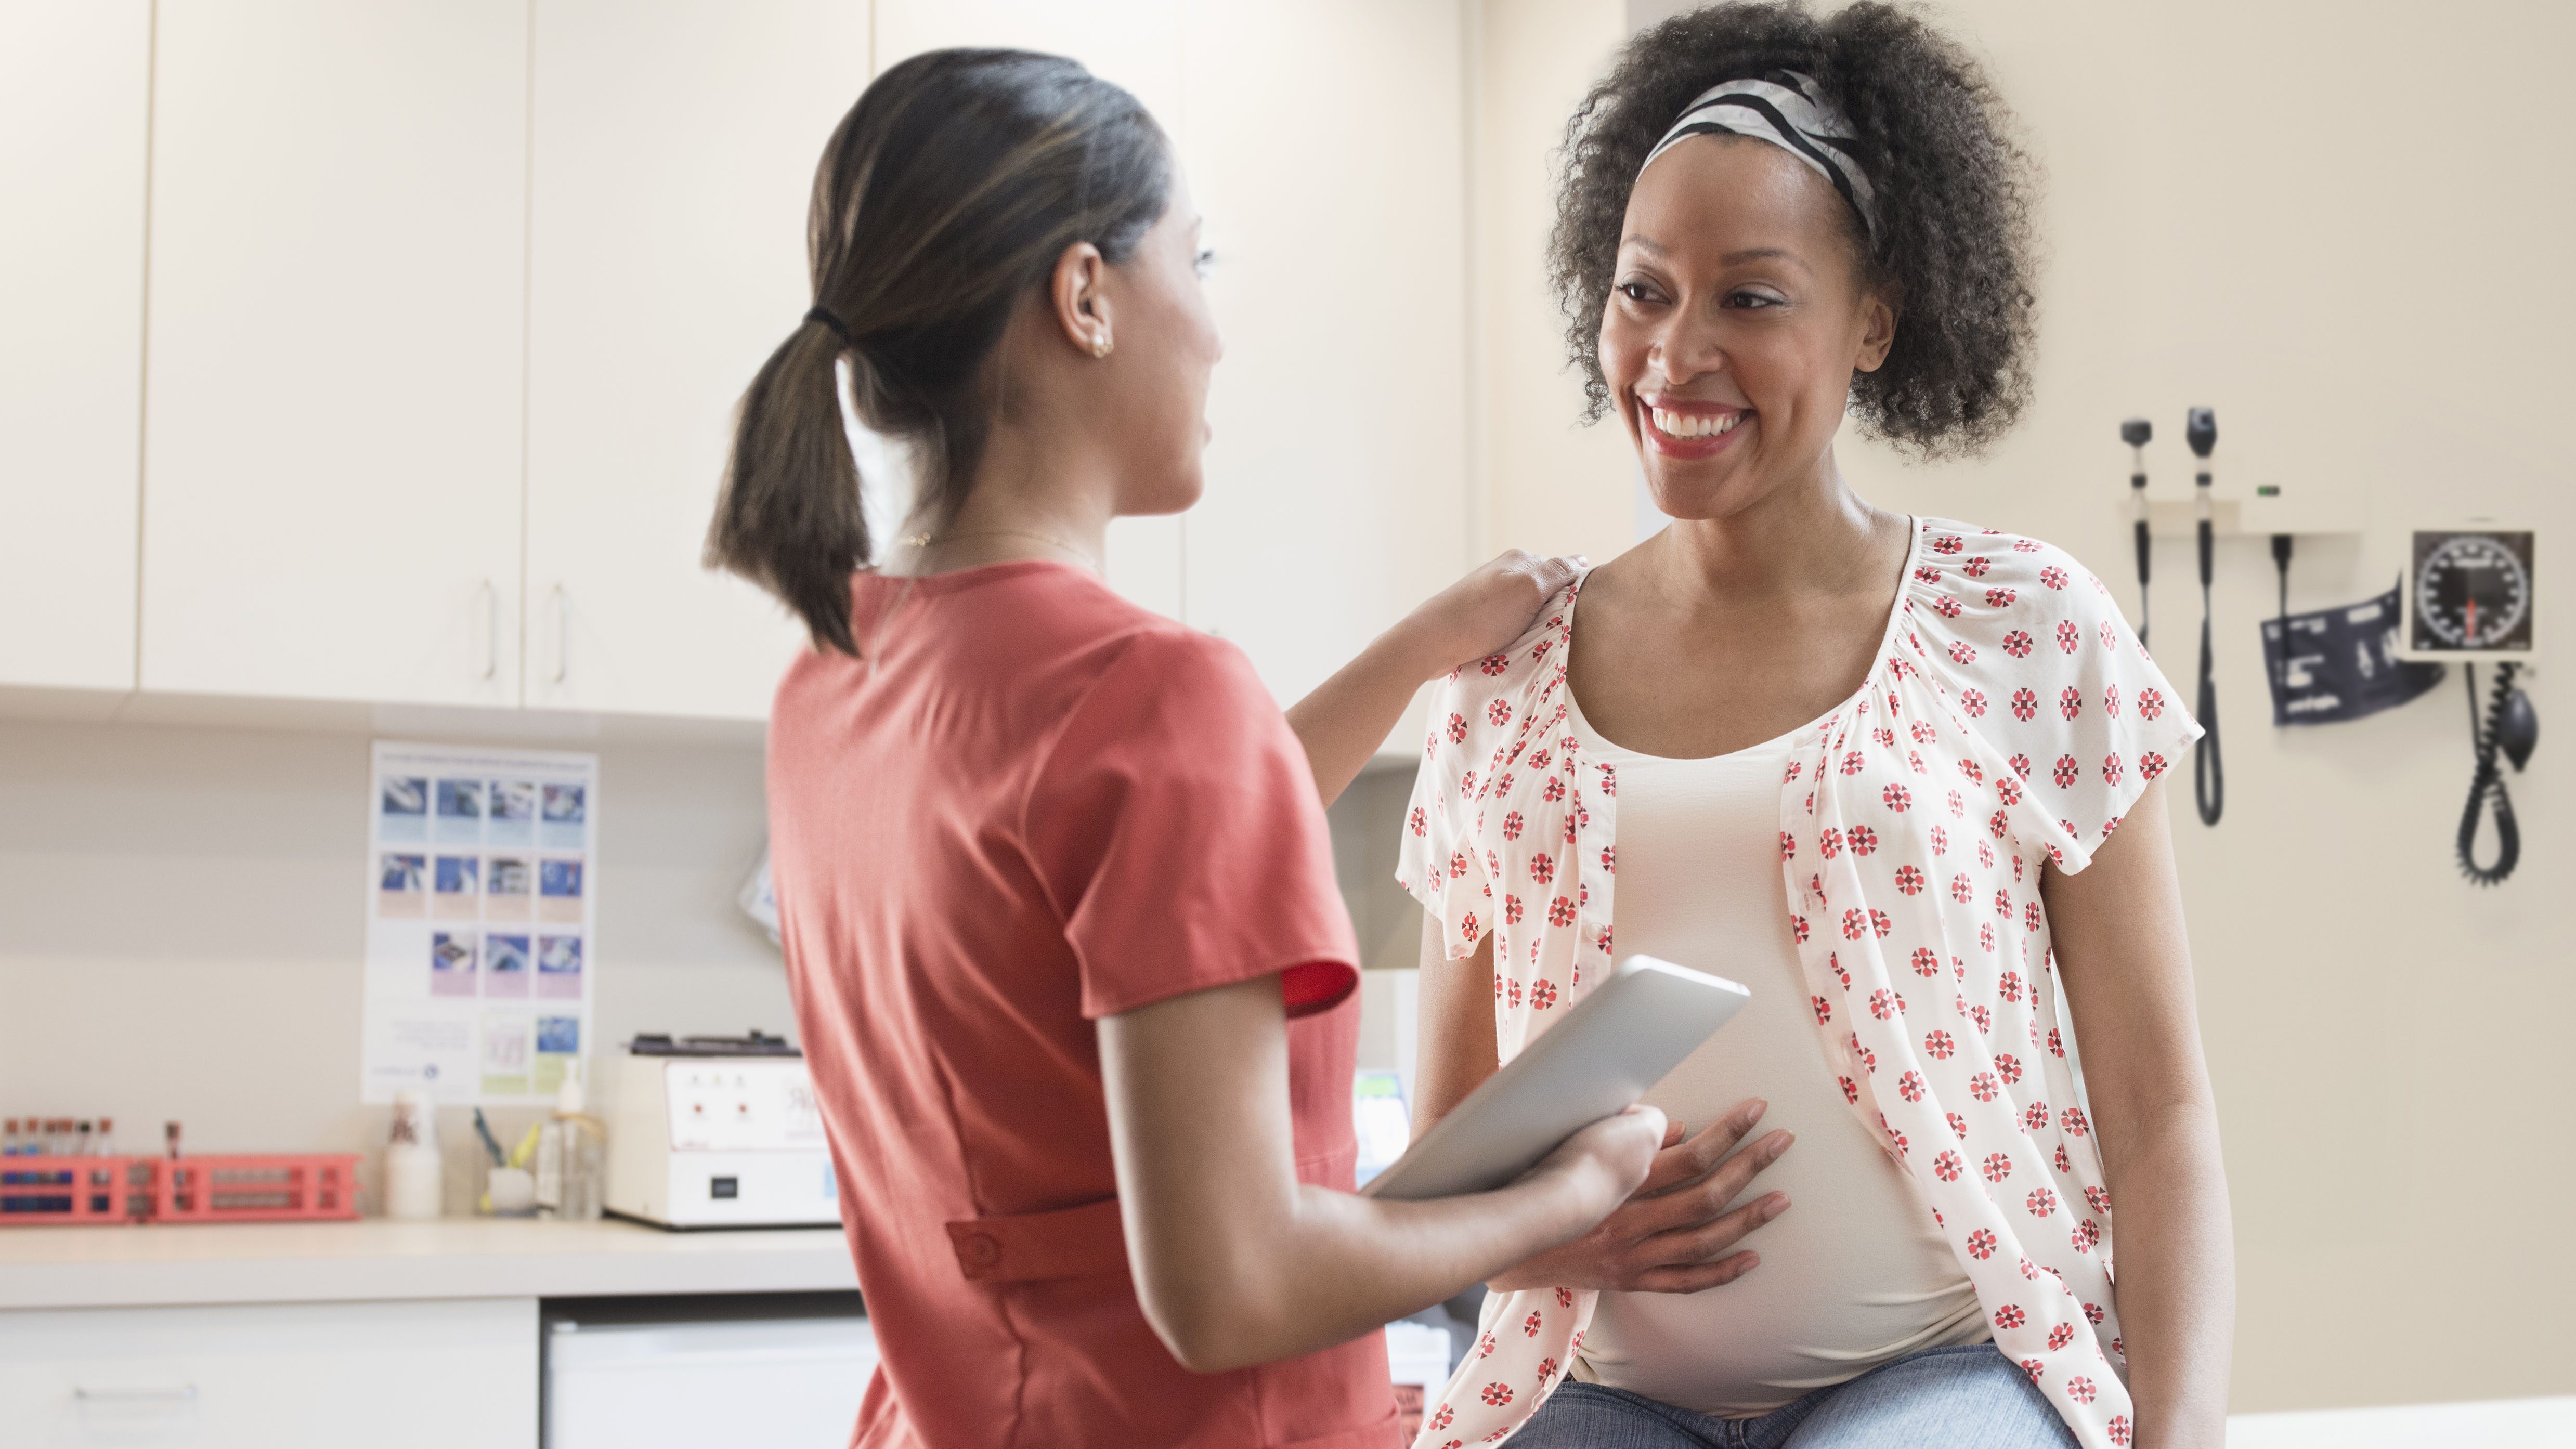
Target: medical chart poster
481, 909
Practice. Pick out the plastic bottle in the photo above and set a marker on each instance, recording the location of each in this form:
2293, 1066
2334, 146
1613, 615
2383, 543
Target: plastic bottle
572, 1155
413, 1172
106, 1141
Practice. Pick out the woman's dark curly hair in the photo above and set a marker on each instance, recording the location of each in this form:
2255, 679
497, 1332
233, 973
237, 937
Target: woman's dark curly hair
1954, 197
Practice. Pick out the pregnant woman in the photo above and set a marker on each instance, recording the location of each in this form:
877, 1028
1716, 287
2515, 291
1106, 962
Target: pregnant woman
1053, 875
1899, 775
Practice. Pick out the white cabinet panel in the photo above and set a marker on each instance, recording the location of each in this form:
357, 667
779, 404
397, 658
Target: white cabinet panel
772, 1382
333, 438
73, 109
675, 147
1138, 44
418, 1375
1324, 144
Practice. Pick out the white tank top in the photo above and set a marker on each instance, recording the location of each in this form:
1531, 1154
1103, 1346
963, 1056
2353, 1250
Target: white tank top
1854, 1274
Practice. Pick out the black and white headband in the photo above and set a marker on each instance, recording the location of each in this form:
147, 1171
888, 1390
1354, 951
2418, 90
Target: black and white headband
1790, 111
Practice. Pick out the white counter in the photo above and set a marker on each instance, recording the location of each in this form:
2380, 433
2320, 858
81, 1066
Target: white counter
374, 1259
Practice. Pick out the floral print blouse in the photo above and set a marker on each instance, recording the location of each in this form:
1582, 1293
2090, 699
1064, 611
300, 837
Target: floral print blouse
2009, 721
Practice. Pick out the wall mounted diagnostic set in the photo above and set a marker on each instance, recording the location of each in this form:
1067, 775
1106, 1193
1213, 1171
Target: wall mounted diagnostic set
2469, 593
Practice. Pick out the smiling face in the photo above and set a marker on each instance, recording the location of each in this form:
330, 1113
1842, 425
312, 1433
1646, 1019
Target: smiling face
1735, 321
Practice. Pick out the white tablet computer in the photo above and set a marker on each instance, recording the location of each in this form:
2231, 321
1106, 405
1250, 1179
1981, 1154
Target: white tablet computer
1617, 1042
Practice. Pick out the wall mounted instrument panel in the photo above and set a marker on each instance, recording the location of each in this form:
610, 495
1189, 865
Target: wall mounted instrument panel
719, 1132
2471, 594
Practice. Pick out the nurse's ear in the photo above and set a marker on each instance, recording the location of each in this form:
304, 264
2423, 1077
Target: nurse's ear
1078, 291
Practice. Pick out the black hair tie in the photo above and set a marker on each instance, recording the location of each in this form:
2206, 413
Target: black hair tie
824, 316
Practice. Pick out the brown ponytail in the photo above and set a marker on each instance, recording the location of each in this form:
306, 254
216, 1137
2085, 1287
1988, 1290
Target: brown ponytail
943, 198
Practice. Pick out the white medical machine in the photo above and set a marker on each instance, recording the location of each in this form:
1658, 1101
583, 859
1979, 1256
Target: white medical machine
719, 1132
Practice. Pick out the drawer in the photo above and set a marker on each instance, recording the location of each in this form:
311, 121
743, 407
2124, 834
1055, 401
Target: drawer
436, 1375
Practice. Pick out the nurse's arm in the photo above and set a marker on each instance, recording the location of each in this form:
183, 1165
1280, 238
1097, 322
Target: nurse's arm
1348, 716
2122, 952
1236, 1262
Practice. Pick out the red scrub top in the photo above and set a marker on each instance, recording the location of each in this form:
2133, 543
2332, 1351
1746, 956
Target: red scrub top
1044, 805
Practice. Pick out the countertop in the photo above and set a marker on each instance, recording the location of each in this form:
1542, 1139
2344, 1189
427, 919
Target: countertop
373, 1258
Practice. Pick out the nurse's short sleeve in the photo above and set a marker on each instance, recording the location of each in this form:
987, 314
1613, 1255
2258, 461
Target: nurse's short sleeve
1174, 826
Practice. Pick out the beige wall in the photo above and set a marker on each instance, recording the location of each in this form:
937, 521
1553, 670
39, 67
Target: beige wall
182, 930
2242, 213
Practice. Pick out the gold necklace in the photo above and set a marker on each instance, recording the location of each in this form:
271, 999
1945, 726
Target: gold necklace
927, 541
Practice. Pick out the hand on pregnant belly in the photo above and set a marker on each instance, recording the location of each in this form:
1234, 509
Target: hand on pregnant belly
1675, 1234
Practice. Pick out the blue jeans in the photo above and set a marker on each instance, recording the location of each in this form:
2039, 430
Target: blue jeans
1969, 1394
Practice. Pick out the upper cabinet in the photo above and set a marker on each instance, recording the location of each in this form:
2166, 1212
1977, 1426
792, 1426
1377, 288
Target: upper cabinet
674, 155
332, 434
388, 352
73, 102
1324, 140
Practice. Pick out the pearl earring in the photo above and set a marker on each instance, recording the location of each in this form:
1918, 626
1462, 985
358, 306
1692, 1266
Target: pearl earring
1100, 343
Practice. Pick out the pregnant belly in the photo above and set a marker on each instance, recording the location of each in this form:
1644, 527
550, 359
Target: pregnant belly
1852, 1276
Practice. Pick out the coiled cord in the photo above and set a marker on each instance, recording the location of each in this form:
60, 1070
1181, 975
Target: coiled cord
2208, 773
2486, 788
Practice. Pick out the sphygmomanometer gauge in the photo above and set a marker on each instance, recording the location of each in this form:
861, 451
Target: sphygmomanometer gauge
2471, 595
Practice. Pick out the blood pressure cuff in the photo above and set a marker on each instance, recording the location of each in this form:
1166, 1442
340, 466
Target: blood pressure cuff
2340, 664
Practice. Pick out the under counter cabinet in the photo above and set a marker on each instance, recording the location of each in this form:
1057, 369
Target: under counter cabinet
675, 143
1340, 409
73, 80
1136, 43
440, 1374
332, 424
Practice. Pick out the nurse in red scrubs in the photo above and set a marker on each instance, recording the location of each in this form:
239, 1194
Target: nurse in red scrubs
1072, 974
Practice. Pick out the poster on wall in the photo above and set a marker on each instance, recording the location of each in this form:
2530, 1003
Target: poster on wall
481, 911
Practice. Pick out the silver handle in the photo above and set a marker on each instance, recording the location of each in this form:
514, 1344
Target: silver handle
563, 633
179, 1395
491, 630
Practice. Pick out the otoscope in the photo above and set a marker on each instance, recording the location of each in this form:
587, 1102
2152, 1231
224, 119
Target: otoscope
2135, 432
2208, 775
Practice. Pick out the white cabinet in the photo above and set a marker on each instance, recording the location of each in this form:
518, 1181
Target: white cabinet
413, 1375
1325, 145
427, 368
674, 154
1137, 44
688, 1385
73, 76
332, 436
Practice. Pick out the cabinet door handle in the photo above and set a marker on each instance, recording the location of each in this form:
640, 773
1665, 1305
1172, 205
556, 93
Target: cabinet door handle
563, 633
491, 630
179, 1395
